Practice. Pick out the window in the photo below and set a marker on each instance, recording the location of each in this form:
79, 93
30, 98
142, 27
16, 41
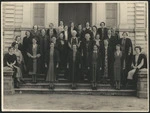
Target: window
39, 14
111, 14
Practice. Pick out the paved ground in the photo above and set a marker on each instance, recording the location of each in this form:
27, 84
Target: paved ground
74, 102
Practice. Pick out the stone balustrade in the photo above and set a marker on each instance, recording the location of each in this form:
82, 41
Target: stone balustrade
142, 83
8, 83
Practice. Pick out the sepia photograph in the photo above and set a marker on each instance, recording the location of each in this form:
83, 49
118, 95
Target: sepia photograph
75, 56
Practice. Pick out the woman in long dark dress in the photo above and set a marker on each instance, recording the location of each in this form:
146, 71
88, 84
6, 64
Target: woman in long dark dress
96, 66
117, 66
63, 50
52, 63
73, 65
33, 53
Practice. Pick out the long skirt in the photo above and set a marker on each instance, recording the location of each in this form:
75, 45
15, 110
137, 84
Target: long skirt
50, 73
34, 71
130, 74
117, 73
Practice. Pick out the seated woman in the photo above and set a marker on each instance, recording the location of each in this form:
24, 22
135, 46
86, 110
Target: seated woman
138, 62
19, 56
33, 53
10, 60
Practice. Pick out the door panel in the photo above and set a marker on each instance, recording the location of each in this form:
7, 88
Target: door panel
76, 12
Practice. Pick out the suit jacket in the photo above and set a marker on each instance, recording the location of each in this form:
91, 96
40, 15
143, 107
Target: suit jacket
54, 32
128, 44
36, 35
113, 41
99, 31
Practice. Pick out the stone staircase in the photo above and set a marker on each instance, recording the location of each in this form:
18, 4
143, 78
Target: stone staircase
63, 86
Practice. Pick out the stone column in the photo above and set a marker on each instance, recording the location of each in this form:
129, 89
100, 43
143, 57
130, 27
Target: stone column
98, 13
142, 84
51, 14
27, 22
123, 15
8, 81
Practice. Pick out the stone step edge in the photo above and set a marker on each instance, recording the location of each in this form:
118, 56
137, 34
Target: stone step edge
98, 90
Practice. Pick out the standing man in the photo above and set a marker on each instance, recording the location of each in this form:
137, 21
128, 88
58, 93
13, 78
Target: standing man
127, 51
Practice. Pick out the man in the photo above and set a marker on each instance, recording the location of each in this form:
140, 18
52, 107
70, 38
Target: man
36, 33
102, 31
113, 41
127, 51
80, 34
51, 32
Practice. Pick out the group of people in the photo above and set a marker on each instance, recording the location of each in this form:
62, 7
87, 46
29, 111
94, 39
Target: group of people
89, 54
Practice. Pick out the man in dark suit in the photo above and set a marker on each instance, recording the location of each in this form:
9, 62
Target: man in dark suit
113, 40
127, 50
102, 31
35, 33
51, 28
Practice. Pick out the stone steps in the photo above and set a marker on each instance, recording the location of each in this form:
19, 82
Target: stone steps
112, 92
65, 85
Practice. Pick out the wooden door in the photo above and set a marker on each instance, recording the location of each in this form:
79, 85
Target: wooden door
76, 12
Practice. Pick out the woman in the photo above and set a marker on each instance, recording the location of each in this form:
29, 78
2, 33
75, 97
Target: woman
94, 32
88, 30
96, 66
73, 40
117, 66
138, 62
52, 62
61, 27
33, 53
43, 48
102, 31
63, 50
20, 46
20, 60
98, 42
73, 65
10, 60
